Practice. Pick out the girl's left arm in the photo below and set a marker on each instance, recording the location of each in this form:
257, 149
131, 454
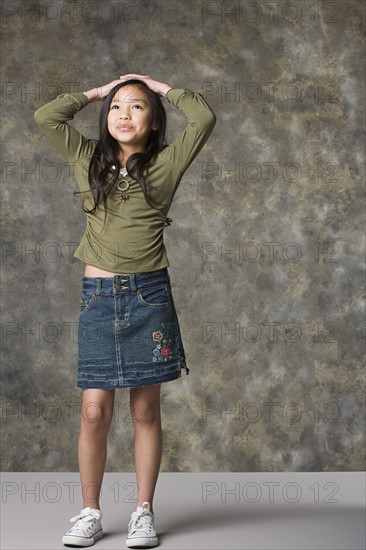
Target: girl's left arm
201, 121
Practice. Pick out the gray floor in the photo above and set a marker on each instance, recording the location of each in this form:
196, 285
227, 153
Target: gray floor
253, 511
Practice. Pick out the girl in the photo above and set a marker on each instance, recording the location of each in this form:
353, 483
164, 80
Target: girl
129, 334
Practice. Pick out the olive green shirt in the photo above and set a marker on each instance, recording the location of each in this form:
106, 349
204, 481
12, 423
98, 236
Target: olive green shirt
132, 238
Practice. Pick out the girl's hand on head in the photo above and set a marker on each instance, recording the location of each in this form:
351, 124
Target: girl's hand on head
158, 87
102, 91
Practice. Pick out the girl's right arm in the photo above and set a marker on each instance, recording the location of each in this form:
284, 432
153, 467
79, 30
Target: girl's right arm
53, 120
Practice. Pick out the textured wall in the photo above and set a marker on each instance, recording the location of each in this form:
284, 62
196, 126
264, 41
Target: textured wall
266, 245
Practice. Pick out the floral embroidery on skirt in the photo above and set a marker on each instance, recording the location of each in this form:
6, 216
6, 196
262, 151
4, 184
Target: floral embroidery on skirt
162, 351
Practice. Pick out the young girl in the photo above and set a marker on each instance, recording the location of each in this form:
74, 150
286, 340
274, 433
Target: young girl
129, 334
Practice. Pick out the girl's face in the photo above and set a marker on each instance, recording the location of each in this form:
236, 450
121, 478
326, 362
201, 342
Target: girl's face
130, 119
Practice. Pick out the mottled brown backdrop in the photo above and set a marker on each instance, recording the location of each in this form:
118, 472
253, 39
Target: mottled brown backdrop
266, 246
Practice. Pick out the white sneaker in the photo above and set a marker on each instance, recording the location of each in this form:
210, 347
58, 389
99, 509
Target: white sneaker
87, 529
141, 530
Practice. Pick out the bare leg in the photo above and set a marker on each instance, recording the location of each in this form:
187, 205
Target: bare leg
96, 416
145, 414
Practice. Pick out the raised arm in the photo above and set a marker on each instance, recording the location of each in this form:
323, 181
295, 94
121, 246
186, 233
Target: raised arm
201, 122
53, 120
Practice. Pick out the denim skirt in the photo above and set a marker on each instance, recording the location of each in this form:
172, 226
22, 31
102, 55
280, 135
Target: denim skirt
128, 333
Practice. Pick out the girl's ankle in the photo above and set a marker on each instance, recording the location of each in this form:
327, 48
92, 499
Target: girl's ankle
94, 506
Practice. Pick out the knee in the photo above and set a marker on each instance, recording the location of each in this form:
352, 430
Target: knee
95, 420
143, 414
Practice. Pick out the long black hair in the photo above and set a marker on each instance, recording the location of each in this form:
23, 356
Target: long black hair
107, 150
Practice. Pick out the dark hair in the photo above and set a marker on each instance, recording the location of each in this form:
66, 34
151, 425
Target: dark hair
107, 150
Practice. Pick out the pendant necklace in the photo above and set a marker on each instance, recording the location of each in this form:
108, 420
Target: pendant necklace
123, 184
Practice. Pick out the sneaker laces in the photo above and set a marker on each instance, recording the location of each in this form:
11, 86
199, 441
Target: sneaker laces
140, 517
87, 515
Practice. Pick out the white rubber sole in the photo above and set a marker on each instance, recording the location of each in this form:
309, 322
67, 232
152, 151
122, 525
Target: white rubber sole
148, 542
81, 541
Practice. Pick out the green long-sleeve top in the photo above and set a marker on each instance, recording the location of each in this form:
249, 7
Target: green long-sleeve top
132, 238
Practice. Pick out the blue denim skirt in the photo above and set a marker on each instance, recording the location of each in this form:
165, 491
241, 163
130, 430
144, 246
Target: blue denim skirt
128, 332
